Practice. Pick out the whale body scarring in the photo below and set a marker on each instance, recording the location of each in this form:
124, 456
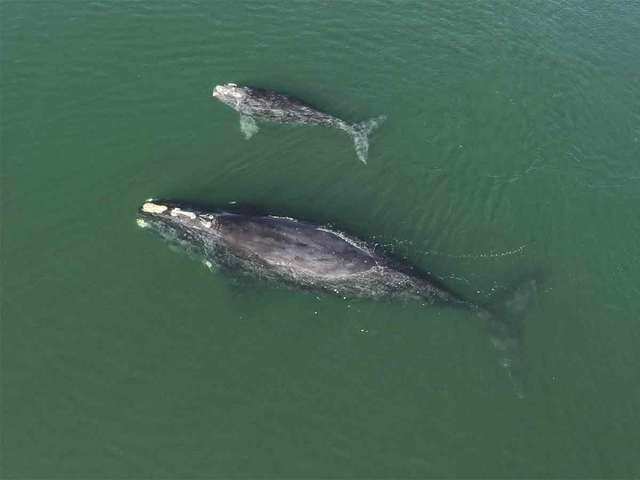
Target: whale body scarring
267, 105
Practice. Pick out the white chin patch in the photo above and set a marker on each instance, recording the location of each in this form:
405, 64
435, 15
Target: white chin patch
176, 211
153, 208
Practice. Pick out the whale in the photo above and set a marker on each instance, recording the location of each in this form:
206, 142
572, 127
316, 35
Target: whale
314, 257
254, 103
293, 252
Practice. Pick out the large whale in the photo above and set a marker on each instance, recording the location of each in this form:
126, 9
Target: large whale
312, 256
260, 104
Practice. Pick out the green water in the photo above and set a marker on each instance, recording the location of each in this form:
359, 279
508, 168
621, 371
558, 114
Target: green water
511, 148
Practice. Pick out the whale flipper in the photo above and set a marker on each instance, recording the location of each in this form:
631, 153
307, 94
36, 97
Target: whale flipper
248, 126
360, 133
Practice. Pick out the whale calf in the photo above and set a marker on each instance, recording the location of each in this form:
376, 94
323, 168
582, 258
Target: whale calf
312, 256
261, 104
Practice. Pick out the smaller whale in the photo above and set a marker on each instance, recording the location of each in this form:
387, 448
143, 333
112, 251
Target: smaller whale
260, 104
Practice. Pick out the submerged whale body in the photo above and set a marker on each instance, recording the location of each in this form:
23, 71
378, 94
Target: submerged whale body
261, 104
311, 256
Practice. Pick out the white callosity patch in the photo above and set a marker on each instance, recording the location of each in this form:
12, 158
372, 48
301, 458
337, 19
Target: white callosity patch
228, 90
205, 223
141, 223
176, 211
150, 207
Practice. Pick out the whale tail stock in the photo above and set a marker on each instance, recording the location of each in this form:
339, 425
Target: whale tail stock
360, 133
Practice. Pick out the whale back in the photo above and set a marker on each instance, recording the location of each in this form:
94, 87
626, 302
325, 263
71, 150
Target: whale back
276, 107
294, 247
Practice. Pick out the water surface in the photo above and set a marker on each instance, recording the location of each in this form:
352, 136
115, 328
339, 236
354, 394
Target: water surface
511, 148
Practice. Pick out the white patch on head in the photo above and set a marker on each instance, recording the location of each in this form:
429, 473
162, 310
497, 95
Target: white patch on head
205, 223
208, 264
176, 211
150, 207
228, 90
219, 90
141, 223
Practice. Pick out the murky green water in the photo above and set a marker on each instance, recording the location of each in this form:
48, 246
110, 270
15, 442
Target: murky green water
511, 148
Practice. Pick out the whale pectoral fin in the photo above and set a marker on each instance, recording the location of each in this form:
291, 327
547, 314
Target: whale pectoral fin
248, 126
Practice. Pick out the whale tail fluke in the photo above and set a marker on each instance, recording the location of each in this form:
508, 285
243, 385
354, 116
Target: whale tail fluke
360, 133
505, 319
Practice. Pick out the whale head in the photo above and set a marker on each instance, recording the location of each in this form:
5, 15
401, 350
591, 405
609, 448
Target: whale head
229, 93
179, 224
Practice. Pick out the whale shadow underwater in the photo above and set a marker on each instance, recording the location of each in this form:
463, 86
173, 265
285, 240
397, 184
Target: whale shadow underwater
308, 256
